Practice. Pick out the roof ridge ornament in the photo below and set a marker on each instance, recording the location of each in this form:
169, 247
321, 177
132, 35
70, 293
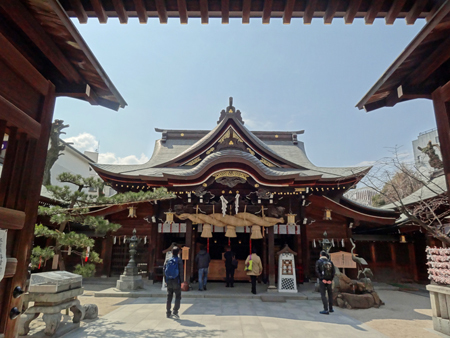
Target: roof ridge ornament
230, 112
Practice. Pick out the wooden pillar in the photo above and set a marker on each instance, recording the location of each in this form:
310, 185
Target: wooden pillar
107, 246
152, 251
193, 248
373, 253
393, 255
264, 257
271, 239
188, 243
412, 261
28, 197
441, 98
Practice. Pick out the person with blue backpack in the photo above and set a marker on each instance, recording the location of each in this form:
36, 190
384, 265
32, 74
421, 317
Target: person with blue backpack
325, 273
173, 273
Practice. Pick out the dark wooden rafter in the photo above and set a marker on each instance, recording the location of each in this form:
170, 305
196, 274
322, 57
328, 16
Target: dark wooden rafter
393, 12
29, 25
267, 11
182, 11
11, 219
162, 11
225, 8
351, 11
309, 11
440, 55
409, 93
204, 12
78, 8
120, 9
8, 164
141, 10
22, 66
374, 9
330, 11
415, 11
83, 91
435, 8
288, 10
246, 7
99, 11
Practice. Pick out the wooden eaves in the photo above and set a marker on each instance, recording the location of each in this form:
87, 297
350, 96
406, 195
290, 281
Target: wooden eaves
327, 10
420, 69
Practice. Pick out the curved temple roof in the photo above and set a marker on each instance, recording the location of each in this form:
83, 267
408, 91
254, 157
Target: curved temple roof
188, 154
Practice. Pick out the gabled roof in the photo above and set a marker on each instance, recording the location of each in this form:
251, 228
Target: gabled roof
190, 154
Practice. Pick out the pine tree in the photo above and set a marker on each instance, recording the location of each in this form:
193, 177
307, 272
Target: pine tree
73, 209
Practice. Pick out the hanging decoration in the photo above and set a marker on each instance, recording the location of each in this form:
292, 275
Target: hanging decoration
132, 212
231, 231
69, 251
169, 216
114, 240
145, 240
206, 233
256, 232
314, 243
291, 219
40, 261
236, 203
55, 262
332, 242
327, 215
88, 249
343, 244
224, 205
189, 197
3, 240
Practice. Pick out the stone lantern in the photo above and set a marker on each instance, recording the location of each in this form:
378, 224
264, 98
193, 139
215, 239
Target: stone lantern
130, 279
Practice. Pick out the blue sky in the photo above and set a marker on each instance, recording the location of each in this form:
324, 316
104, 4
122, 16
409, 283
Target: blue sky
282, 77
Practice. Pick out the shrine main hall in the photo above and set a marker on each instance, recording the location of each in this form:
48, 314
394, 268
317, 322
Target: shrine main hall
232, 186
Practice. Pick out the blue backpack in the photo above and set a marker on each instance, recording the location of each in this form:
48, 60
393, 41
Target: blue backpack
171, 271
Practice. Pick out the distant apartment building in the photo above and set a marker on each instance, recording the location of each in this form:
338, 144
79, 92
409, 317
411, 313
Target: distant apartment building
361, 195
421, 160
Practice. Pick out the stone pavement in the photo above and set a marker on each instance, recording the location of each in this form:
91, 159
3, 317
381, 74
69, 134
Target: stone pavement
225, 317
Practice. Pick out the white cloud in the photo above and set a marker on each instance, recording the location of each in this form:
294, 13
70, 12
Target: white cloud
88, 142
111, 158
83, 142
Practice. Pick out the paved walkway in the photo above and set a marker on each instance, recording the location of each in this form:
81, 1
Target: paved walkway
208, 317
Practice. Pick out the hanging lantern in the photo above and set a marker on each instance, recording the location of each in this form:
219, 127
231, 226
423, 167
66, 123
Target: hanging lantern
206, 233
402, 239
256, 232
327, 215
132, 212
231, 231
291, 219
169, 217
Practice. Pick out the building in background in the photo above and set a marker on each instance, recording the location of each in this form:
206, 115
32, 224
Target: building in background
361, 195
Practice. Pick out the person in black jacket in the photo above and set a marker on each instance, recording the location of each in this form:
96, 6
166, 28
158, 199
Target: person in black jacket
325, 273
202, 259
229, 267
174, 286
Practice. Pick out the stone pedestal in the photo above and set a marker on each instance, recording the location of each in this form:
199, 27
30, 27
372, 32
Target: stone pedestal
440, 307
51, 305
127, 283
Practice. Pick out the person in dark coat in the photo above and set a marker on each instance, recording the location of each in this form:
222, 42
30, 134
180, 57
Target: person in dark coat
325, 273
202, 259
174, 286
229, 267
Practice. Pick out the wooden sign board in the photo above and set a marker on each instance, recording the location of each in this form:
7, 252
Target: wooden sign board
343, 260
185, 253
